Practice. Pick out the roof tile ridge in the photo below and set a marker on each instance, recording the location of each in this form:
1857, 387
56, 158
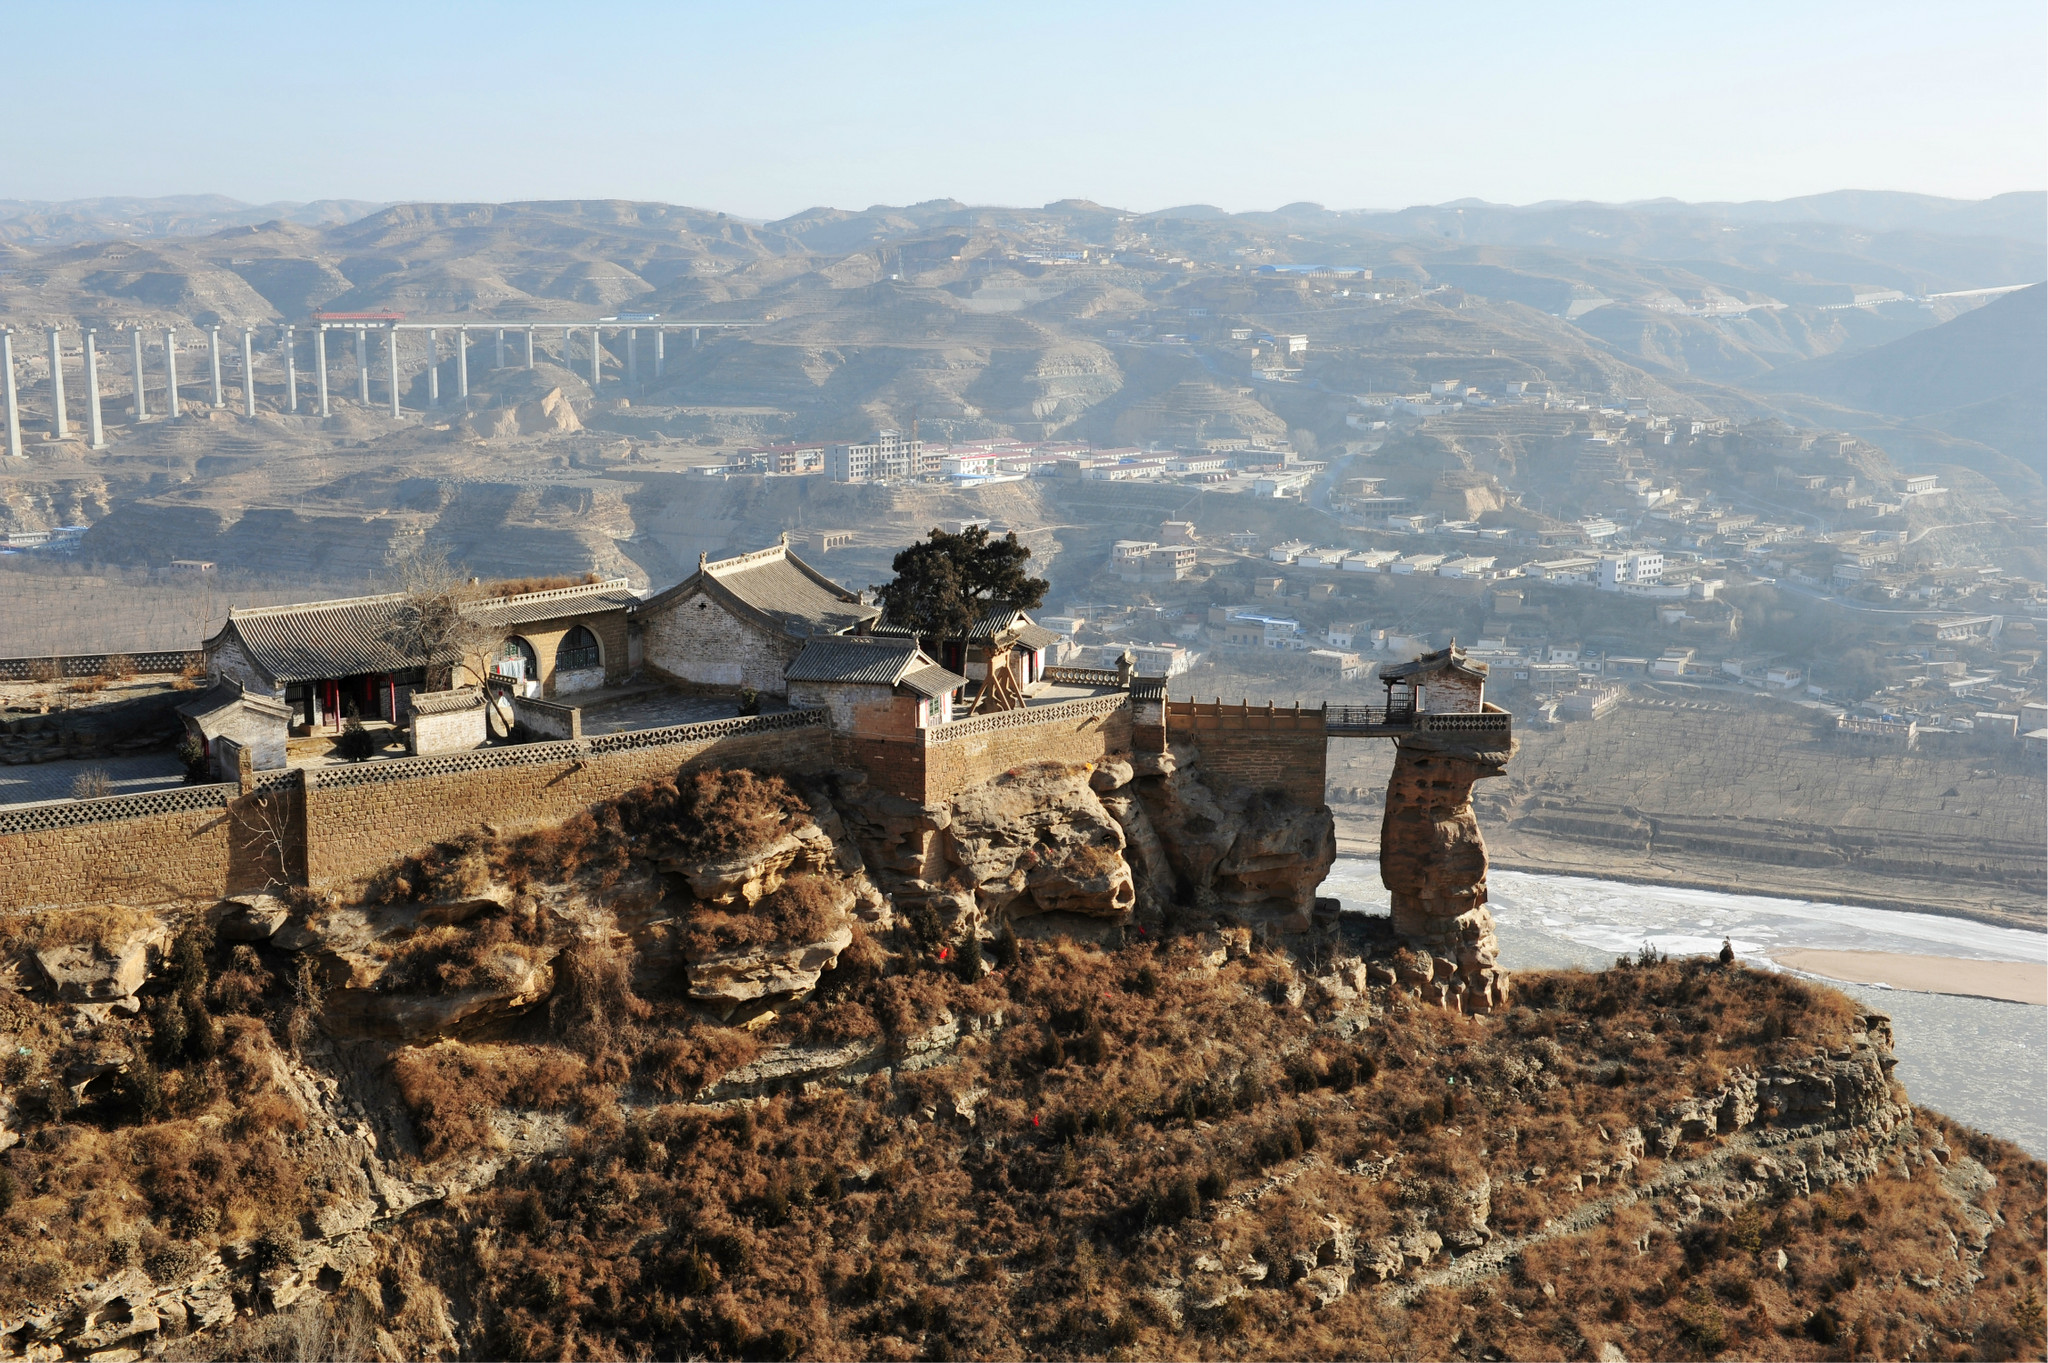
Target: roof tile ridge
747, 560
336, 603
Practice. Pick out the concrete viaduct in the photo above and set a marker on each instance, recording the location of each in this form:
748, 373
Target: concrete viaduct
288, 343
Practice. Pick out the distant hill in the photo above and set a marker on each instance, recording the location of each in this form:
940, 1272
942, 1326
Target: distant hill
1980, 378
1994, 353
29, 222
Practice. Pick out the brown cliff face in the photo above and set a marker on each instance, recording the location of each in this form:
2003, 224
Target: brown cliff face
1433, 861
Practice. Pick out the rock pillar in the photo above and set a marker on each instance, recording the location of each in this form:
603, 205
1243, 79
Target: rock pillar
1433, 862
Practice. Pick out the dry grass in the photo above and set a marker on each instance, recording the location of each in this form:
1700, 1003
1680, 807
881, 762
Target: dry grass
515, 586
452, 1089
100, 925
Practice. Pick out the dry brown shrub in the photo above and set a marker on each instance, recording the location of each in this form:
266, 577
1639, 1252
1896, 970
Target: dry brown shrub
518, 586
451, 1090
451, 957
118, 667
804, 908
594, 1007
681, 1064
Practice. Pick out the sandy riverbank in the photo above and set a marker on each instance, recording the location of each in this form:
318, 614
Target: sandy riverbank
2013, 981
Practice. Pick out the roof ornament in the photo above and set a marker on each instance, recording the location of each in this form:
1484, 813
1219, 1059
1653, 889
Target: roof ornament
702, 559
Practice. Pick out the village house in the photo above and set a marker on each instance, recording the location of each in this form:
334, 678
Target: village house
875, 687
227, 719
1002, 632
326, 659
740, 622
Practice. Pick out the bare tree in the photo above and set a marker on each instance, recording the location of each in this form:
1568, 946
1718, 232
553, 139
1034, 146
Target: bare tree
436, 622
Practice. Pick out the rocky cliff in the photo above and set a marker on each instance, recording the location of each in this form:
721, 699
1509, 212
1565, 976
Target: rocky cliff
733, 1067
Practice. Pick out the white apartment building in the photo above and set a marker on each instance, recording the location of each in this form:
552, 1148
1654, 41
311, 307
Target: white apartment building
1618, 571
888, 455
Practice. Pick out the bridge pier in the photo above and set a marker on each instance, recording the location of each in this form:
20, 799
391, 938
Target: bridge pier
363, 364
141, 380
13, 401
249, 373
60, 425
213, 356
291, 369
391, 355
93, 427
320, 364
171, 412
433, 367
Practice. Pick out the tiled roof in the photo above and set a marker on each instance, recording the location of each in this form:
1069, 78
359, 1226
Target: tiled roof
1033, 635
447, 702
341, 638
934, 681
777, 590
321, 638
854, 659
1450, 659
553, 605
211, 708
992, 621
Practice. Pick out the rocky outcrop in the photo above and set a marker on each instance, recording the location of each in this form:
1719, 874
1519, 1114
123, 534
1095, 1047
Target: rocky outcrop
1237, 853
1433, 862
1036, 848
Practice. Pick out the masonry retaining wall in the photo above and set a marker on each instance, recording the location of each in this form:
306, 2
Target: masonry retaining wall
158, 847
1263, 747
361, 818
333, 826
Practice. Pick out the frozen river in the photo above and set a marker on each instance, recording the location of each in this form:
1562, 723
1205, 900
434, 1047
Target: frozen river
1982, 1062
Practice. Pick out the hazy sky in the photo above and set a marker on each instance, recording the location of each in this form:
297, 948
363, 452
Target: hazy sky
766, 108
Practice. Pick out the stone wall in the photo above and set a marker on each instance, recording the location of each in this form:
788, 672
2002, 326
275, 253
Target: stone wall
197, 843
361, 818
161, 847
1261, 747
931, 766
695, 639
970, 752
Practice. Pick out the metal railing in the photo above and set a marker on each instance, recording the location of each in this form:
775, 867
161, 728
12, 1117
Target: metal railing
1338, 717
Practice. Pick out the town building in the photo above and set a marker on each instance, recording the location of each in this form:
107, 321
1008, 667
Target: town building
1621, 571
1334, 664
889, 455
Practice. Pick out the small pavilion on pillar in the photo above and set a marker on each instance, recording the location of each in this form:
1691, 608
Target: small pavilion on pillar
1445, 682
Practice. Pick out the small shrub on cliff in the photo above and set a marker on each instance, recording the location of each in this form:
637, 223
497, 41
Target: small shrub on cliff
450, 1089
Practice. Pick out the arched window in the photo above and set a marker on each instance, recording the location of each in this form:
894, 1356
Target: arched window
516, 647
578, 651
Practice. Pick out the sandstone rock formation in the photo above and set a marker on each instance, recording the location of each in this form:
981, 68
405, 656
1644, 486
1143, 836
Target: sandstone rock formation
1433, 861
1238, 853
1035, 847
